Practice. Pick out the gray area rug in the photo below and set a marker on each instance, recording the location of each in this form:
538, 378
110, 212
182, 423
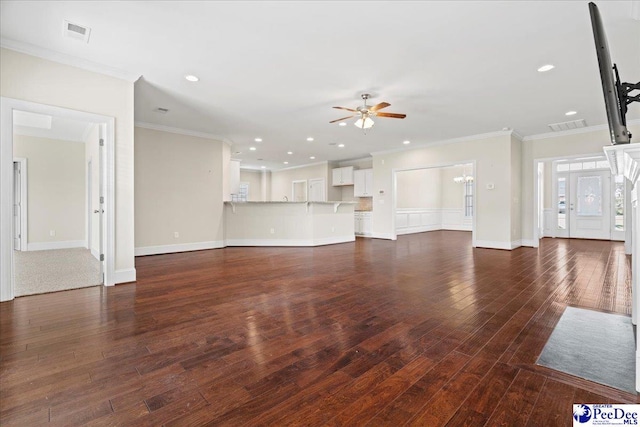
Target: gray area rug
596, 346
39, 272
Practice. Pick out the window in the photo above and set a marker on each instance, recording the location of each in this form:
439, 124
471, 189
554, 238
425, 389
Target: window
468, 198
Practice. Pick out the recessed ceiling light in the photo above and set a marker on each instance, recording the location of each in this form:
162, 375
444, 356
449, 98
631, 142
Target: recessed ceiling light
289, 152
252, 148
546, 68
570, 113
342, 124
258, 140
310, 139
340, 145
263, 167
312, 157
286, 163
406, 142
191, 78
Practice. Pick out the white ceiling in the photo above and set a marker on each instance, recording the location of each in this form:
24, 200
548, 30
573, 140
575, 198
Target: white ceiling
274, 69
58, 128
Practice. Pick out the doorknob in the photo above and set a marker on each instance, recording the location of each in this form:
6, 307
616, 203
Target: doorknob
98, 211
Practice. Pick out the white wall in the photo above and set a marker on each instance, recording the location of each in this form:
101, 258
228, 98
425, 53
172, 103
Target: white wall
419, 188
56, 190
452, 192
178, 184
41, 81
281, 181
254, 179
550, 146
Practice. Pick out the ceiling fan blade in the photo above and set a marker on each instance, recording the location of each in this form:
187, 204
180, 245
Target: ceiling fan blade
345, 108
379, 106
392, 115
344, 118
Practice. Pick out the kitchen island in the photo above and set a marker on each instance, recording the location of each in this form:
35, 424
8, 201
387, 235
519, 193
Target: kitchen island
288, 223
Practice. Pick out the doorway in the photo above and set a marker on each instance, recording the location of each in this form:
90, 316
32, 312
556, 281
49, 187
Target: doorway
64, 215
587, 201
103, 167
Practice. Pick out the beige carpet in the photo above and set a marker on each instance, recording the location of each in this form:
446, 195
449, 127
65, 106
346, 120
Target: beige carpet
39, 272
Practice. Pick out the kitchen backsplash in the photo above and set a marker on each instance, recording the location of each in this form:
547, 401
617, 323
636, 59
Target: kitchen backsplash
364, 204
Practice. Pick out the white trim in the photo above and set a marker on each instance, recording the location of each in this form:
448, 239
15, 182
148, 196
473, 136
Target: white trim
24, 202
635, 14
95, 254
7, 105
386, 236
181, 131
47, 246
490, 244
63, 58
528, 243
182, 247
124, 276
301, 166
292, 242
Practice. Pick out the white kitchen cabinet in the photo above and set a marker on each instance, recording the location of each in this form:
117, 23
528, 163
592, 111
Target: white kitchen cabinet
342, 176
362, 226
363, 183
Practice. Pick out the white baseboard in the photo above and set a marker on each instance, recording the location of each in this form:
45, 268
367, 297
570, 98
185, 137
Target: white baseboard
456, 227
96, 254
417, 229
638, 370
386, 236
489, 244
124, 276
182, 247
530, 243
46, 246
291, 242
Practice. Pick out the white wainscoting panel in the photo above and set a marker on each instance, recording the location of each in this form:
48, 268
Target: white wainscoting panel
420, 220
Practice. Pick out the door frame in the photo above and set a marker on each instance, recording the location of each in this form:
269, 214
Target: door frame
293, 189
24, 201
107, 134
537, 208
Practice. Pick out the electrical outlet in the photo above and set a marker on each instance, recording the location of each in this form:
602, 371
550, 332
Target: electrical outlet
333, 229
52, 233
176, 234
273, 231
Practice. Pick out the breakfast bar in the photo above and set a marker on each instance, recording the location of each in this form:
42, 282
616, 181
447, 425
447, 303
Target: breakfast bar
288, 223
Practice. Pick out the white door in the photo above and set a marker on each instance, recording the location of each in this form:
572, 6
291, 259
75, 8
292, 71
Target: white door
17, 201
590, 205
317, 190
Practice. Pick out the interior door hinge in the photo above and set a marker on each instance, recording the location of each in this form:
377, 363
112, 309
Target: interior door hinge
101, 142
101, 199
101, 257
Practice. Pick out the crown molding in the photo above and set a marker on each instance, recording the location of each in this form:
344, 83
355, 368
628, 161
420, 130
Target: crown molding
65, 59
579, 131
477, 137
180, 131
324, 162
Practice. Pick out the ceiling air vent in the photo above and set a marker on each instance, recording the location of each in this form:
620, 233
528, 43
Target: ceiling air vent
161, 110
574, 124
76, 32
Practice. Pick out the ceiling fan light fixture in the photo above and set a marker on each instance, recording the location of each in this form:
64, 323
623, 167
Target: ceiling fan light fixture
364, 123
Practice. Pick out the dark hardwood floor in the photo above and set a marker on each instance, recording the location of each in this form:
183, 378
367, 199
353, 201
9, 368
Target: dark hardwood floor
425, 331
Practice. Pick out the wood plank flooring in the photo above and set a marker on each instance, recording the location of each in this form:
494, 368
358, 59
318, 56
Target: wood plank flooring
425, 331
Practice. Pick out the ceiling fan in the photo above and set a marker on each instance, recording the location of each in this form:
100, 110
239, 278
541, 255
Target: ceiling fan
366, 112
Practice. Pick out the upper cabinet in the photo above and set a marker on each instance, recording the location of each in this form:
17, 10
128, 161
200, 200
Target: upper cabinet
343, 176
363, 183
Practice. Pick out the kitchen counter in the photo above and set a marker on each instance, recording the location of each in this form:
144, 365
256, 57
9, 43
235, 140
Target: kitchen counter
283, 223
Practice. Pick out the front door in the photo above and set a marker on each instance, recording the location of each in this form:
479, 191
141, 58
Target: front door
584, 205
